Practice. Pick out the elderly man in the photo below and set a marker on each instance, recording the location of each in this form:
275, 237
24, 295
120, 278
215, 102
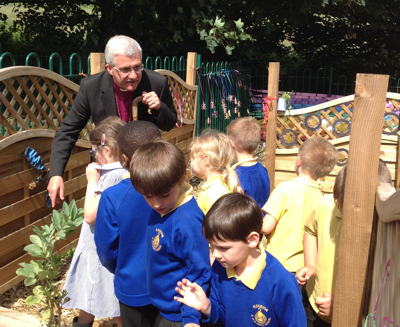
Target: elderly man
110, 93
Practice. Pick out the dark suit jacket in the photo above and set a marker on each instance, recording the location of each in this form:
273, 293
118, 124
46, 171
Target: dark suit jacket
96, 98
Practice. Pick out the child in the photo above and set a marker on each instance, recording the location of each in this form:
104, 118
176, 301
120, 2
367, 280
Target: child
89, 284
121, 232
292, 202
244, 134
211, 156
321, 241
175, 248
249, 286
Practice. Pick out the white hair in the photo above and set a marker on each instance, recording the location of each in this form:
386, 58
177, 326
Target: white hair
121, 45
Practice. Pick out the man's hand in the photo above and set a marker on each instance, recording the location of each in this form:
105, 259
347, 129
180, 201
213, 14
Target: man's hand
56, 189
325, 304
193, 296
151, 100
304, 274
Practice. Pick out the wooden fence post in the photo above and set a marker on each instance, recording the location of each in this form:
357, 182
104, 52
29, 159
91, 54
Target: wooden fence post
359, 200
97, 62
270, 143
191, 68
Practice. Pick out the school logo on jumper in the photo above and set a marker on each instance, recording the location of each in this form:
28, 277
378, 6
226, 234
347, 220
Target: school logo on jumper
260, 318
155, 241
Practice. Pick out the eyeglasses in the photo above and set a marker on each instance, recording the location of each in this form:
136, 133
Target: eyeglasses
102, 143
93, 153
127, 71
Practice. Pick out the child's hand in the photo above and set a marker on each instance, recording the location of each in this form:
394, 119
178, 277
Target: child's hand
325, 304
92, 174
193, 296
192, 325
304, 274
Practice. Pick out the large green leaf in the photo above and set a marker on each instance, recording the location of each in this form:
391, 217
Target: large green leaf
34, 250
29, 281
32, 300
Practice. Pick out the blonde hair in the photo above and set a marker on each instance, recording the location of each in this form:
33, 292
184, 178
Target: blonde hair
219, 149
108, 130
318, 157
245, 133
338, 188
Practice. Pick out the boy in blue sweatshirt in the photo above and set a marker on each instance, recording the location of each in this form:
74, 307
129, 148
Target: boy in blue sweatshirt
120, 234
175, 247
244, 134
249, 287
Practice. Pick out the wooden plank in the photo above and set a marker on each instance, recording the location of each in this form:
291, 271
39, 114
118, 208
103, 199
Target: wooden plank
175, 132
16, 181
7, 273
20, 237
184, 146
270, 149
13, 153
97, 62
37, 201
358, 208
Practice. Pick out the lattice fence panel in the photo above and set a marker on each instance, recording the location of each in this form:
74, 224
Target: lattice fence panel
34, 102
189, 96
331, 122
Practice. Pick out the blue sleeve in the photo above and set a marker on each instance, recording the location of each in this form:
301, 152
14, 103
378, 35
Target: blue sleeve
217, 312
106, 234
195, 251
287, 302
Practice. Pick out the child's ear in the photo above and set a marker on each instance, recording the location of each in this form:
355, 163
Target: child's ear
207, 160
253, 239
298, 161
124, 161
232, 143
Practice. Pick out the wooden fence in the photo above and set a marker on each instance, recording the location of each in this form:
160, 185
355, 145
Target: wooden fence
33, 103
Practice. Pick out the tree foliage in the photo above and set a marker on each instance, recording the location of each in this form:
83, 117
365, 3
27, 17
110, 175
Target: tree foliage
357, 36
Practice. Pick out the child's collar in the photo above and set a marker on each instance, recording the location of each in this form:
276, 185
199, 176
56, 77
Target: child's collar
211, 181
251, 280
307, 181
245, 163
183, 198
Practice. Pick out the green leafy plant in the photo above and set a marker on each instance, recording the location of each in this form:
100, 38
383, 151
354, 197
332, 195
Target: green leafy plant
46, 269
287, 96
224, 33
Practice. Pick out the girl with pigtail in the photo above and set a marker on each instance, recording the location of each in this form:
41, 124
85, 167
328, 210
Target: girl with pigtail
211, 157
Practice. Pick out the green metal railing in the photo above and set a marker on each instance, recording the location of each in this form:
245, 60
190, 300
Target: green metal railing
220, 82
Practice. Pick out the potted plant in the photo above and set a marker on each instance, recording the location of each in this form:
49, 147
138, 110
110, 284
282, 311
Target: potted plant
284, 101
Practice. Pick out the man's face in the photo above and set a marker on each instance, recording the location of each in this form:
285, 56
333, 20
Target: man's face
128, 81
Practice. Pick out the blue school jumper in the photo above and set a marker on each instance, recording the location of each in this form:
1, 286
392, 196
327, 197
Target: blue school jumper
254, 181
120, 239
176, 249
274, 301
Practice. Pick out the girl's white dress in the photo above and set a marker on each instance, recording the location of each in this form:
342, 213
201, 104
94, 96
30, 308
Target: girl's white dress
89, 284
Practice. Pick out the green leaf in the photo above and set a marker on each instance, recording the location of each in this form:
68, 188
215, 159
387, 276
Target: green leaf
180, 9
218, 22
34, 250
29, 281
26, 270
65, 208
36, 240
32, 300
239, 24
38, 291
229, 49
57, 221
244, 37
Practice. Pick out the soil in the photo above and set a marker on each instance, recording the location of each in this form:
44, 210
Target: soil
15, 297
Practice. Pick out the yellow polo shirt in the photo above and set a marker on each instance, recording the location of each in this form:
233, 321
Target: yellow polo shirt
290, 203
211, 191
252, 279
324, 224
